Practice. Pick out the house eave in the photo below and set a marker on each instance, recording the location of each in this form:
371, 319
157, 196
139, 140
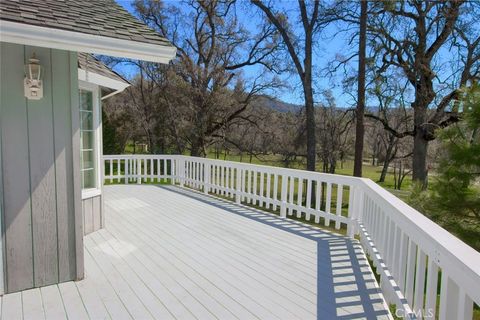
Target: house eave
91, 77
27, 34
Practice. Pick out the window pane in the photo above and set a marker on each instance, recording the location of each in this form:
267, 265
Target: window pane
86, 100
88, 159
86, 120
87, 141
88, 179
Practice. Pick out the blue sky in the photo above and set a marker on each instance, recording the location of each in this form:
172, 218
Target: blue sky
325, 51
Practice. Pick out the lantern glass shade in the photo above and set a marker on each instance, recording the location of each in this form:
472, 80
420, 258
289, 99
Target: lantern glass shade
33, 70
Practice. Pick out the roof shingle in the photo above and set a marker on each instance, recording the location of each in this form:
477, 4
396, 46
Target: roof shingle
99, 17
88, 62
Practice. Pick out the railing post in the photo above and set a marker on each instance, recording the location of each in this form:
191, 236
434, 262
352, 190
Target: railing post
357, 210
238, 186
181, 171
127, 164
173, 170
206, 178
283, 197
139, 171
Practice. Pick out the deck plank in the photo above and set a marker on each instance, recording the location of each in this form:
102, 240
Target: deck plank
114, 305
72, 301
131, 301
32, 305
12, 308
91, 300
52, 303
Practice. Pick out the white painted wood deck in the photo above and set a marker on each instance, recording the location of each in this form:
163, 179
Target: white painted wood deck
170, 253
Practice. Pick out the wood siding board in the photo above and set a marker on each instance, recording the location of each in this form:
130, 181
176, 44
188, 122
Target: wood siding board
97, 213
88, 215
77, 192
2, 230
42, 176
15, 166
63, 165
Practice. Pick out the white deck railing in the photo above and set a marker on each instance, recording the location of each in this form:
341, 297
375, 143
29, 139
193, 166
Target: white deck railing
416, 259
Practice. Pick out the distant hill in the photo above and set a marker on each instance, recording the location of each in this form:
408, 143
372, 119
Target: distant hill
277, 105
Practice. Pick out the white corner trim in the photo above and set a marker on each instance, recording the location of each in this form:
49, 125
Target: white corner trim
103, 81
26, 34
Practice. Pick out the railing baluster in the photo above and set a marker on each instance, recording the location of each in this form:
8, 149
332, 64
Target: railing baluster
318, 200
449, 293
239, 188
419, 281
291, 194
412, 255
328, 203
249, 187
127, 174
275, 191
299, 197
338, 210
283, 196
268, 201
465, 306
165, 170
309, 199
111, 170
254, 187
402, 261
260, 203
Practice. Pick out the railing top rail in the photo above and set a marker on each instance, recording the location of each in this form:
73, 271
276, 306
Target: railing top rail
326, 177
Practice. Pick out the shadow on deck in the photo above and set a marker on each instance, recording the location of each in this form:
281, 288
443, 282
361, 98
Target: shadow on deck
346, 287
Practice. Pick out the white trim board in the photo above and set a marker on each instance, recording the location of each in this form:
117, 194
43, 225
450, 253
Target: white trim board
103, 81
88, 86
26, 34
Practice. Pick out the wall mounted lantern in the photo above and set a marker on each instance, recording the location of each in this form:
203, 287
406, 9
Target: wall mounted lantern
33, 85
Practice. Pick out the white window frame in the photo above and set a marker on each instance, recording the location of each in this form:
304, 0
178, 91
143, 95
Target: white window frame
93, 192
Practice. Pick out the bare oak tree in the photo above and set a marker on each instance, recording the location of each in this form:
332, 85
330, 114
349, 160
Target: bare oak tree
359, 114
300, 51
213, 47
414, 37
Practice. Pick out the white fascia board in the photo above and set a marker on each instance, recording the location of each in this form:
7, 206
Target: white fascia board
26, 34
100, 80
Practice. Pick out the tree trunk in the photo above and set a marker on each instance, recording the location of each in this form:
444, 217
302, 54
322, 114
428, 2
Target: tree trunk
420, 148
197, 147
310, 118
389, 156
360, 128
420, 143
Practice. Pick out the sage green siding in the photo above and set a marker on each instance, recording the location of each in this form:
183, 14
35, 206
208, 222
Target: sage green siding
41, 213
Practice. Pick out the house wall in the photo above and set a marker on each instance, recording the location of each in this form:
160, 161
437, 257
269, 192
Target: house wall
93, 218
41, 213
